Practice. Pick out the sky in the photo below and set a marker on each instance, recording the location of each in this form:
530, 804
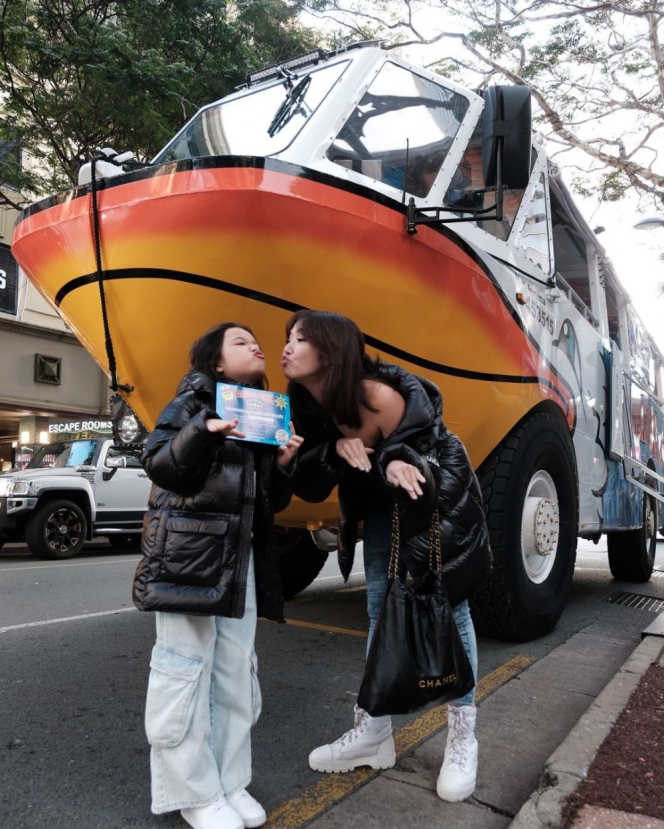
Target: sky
635, 254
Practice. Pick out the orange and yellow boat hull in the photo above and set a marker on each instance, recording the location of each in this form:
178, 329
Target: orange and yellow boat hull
187, 245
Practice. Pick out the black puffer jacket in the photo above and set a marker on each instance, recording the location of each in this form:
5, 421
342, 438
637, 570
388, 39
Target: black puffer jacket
422, 440
209, 495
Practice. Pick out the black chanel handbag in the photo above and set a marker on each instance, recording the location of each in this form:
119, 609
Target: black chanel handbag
416, 655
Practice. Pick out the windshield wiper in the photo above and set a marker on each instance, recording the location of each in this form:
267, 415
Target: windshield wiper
290, 105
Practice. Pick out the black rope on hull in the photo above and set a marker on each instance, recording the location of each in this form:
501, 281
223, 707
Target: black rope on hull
110, 352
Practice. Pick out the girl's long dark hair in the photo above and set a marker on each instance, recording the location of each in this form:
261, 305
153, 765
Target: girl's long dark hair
204, 354
340, 345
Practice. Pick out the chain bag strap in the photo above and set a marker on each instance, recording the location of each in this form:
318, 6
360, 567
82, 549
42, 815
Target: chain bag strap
435, 546
416, 656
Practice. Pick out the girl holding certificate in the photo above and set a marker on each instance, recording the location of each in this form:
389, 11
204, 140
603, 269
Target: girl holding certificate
376, 431
209, 567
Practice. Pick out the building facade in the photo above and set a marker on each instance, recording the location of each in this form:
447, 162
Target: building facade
48, 381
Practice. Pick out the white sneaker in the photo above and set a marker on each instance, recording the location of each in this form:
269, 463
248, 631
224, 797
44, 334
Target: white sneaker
217, 815
368, 743
458, 774
249, 809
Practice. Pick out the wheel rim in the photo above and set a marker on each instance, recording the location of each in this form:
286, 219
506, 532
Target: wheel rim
540, 527
64, 531
650, 522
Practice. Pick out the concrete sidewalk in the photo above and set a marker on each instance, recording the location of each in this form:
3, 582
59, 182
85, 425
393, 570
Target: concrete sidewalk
537, 735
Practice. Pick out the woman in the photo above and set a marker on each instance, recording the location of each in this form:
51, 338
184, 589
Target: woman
210, 566
376, 431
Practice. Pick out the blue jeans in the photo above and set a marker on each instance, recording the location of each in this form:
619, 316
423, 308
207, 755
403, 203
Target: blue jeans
203, 697
377, 535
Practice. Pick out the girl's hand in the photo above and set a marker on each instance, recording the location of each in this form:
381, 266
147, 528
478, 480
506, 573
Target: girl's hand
225, 427
407, 476
288, 451
355, 453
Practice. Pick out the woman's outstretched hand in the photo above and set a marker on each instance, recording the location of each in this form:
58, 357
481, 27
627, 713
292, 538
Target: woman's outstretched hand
288, 451
355, 453
225, 427
407, 476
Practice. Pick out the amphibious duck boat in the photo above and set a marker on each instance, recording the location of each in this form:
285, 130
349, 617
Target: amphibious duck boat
357, 182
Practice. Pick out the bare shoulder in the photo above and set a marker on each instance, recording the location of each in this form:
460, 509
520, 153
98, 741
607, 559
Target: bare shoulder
388, 403
381, 395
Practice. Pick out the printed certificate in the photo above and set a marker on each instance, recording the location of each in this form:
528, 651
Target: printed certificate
263, 416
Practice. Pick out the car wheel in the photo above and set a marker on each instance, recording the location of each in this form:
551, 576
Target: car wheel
530, 495
300, 560
56, 530
632, 552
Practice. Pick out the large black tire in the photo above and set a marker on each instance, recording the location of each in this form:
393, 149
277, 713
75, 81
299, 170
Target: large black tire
531, 579
56, 530
632, 552
300, 560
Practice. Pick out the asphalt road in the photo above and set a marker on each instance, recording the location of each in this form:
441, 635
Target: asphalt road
74, 660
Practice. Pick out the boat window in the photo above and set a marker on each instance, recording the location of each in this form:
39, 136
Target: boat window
642, 360
612, 312
534, 239
248, 125
403, 120
469, 177
570, 254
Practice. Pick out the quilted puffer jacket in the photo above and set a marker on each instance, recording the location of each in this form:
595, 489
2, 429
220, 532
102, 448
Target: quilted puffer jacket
422, 440
209, 496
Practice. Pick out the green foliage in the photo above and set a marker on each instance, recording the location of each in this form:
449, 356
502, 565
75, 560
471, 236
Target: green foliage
77, 75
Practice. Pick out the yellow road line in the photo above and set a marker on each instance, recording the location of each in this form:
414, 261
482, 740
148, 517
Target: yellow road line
335, 787
326, 628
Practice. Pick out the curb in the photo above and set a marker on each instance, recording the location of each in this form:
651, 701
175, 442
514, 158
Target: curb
568, 766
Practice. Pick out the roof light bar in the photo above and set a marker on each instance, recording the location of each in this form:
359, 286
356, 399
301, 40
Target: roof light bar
270, 72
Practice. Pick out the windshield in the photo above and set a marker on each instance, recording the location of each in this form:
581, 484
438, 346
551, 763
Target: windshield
64, 453
261, 122
401, 130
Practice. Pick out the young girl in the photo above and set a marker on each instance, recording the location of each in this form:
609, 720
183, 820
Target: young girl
376, 431
210, 566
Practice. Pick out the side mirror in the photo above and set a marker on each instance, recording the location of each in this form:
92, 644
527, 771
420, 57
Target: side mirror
507, 124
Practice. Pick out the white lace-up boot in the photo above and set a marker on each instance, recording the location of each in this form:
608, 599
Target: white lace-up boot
368, 743
249, 809
218, 815
456, 780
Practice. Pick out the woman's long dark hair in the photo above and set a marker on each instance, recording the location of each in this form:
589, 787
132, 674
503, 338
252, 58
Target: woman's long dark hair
205, 352
340, 345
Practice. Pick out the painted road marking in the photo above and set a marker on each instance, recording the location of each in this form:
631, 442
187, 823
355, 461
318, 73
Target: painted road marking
327, 628
335, 787
296, 623
67, 619
73, 564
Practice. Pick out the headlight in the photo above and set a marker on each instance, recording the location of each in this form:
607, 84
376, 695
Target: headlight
10, 486
128, 429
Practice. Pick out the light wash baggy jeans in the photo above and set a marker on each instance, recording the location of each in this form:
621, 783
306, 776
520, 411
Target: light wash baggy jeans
377, 536
203, 697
